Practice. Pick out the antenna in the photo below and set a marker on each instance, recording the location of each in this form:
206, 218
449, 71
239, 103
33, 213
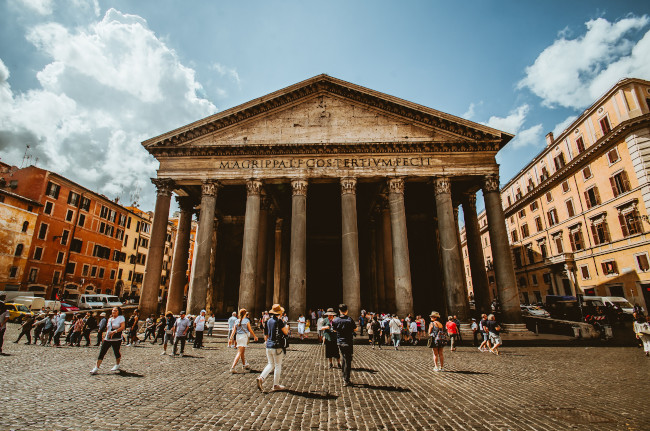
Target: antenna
26, 157
135, 196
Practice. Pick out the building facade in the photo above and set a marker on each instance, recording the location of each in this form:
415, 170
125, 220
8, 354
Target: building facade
577, 214
328, 192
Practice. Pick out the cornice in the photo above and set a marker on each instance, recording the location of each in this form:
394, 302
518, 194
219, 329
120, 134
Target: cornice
320, 85
600, 147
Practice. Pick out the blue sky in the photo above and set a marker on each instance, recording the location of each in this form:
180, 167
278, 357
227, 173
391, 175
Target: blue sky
84, 82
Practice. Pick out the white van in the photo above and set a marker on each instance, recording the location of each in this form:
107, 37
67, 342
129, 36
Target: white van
110, 300
87, 302
34, 303
602, 301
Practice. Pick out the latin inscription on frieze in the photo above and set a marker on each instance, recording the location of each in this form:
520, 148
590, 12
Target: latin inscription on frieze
327, 162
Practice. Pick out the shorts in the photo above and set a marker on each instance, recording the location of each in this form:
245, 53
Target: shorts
485, 336
242, 340
495, 338
168, 338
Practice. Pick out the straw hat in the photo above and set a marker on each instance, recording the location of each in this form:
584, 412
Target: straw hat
330, 312
276, 309
102, 314
435, 314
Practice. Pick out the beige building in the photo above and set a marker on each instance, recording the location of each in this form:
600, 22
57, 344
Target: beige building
577, 214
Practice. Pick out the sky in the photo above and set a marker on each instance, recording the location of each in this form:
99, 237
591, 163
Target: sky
83, 83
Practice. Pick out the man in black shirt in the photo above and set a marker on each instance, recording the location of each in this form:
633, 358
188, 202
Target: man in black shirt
345, 329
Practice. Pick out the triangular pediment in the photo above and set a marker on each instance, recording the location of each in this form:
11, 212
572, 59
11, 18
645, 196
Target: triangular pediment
325, 110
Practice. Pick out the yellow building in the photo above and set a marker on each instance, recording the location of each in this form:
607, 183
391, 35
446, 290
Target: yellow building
577, 214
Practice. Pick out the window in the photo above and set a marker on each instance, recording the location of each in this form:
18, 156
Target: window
119, 273
558, 243
552, 217
538, 224
612, 156
586, 173
533, 278
609, 267
530, 185
620, 183
75, 245
101, 252
93, 271
547, 277
517, 254
542, 249
64, 237
81, 220
600, 231
119, 234
33, 274
70, 267
524, 231
575, 238
42, 232
604, 125
584, 271
569, 208
522, 282
642, 262
530, 253
38, 253
514, 236
534, 206
69, 215
52, 190
19, 250
565, 186
549, 197
630, 222
56, 277
49, 206
122, 220
144, 242
559, 161
59, 257
130, 275
73, 198
85, 204
592, 197
101, 273
580, 145
13, 271
112, 274
25, 226
128, 223
545, 174
146, 227
518, 195
141, 259
84, 270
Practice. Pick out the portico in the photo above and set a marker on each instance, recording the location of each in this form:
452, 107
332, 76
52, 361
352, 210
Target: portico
328, 192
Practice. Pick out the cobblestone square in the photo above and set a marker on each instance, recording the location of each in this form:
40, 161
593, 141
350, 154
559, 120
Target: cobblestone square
525, 388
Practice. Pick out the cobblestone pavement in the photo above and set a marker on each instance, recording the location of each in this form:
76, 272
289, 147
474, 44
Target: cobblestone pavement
540, 388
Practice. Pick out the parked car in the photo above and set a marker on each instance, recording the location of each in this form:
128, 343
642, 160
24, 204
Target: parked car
614, 301
534, 310
65, 307
87, 302
110, 300
31, 302
18, 311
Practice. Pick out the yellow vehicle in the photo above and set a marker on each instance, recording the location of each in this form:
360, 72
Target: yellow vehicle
17, 312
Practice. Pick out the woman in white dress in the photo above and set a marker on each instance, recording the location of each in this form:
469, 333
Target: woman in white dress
301, 326
640, 329
241, 332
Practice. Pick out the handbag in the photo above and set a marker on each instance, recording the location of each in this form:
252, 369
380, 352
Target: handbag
644, 328
430, 342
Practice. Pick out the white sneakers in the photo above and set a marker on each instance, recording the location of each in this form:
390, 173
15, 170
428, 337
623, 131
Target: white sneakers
163, 353
94, 371
116, 367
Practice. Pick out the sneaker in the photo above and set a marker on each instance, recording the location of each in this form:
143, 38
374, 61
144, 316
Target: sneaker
436, 369
116, 367
128, 345
94, 371
163, 353
259, 383
277, 388
247, 366
233, 371
181, 355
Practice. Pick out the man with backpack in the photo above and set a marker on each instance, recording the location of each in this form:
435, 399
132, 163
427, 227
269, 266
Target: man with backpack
275, 336
345, 330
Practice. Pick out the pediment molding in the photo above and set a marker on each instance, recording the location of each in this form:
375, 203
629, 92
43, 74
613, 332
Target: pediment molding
174, 141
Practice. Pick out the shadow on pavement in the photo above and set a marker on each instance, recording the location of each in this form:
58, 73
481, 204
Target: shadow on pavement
365, 370
465, 371
381, 387
123, 373
312, 395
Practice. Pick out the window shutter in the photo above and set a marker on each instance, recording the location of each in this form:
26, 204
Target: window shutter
573, 244
612, 182
597, 195
606, 232
594, 234
587, 200
621, 219
626, 182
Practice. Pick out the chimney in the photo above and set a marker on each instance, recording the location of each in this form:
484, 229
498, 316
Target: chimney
549, 139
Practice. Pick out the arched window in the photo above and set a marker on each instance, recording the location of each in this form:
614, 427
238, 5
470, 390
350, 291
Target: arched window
19, 250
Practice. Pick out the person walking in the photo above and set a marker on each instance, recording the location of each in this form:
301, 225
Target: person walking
26, 329
38, 326
231, 324
48, 329
149, 328
301, 326
395, 330
485, 345
240, 334
60, 328
169, 330
77, 330
459, 335
90, 324
345, 330
199, 327
329, 336
112, 340
322, 321
452, 330
494, 329
376, 331
276, 330
475, 332
180, 329
134, 320
641, 330
160, 329
414, 332
4, 318
101, 328
438, 342
210, 324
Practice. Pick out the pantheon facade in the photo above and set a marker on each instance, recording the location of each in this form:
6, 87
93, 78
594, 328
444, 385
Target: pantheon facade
327, 192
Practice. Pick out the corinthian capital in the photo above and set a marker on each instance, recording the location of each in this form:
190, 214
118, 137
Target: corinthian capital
469, 201
254, 187
299, 187
396, 185
491, 183
210, 187
348, 186
164, 186
442, 185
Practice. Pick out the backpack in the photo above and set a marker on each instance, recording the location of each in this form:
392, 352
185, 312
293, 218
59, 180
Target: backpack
376, 327
280, 341
440, 337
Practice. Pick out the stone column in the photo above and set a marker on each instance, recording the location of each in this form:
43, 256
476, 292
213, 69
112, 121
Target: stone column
181, 255
389, 272
372, 265
298, 253
379, 263
250, 246
260, 271
401, 263
285, 263
211, 296
153, 269
480, 283
197, 294
270, 265
503, 270
457, 303
350, 247
277, 263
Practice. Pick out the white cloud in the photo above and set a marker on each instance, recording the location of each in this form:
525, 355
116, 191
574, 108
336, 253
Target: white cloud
574, 72
513, 122
109, 85
470, 112
561, 127
528, 137
41, 7
227, 71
